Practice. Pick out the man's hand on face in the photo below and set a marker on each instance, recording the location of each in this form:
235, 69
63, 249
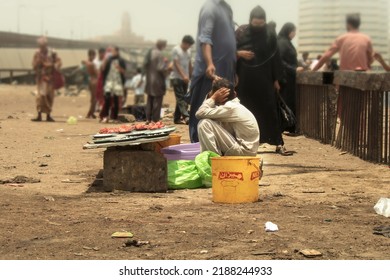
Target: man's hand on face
221, 96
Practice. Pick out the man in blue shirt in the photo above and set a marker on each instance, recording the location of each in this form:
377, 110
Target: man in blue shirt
216, 54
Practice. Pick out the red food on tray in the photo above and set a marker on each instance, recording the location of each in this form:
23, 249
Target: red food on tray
157, 125
126, 129
130, 128
141, 127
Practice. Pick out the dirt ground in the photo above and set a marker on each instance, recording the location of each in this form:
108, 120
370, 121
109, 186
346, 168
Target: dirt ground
57, 220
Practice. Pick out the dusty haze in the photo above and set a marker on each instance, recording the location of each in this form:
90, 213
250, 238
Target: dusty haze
82, 19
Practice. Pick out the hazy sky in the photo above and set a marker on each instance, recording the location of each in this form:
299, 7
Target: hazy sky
153, 19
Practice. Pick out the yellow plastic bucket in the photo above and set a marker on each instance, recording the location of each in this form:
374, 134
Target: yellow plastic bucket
174, 139
236, 179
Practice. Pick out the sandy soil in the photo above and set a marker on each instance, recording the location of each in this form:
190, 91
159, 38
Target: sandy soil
56, 220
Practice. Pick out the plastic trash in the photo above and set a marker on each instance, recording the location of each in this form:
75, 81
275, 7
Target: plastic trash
383, 207
72, 121
203, 163
271, 227
310, 253
183, 174
124, 234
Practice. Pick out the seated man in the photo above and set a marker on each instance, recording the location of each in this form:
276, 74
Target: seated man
226, 127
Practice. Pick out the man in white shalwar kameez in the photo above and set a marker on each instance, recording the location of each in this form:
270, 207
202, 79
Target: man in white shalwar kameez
226, 127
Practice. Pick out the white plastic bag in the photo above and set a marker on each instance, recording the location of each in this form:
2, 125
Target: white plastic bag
271, 227
383, 207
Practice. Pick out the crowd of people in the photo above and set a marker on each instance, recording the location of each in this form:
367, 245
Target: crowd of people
262, 66
105, 74
255, 61
230, 96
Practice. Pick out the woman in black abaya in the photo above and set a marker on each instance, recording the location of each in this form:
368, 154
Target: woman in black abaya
259, 68
289, 58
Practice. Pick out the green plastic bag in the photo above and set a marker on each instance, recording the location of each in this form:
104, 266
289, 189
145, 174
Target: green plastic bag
203, 164
183, 174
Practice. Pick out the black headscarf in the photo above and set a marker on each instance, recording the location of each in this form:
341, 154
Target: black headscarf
286, 30
260, 40
258, 34
259, 13
287, 50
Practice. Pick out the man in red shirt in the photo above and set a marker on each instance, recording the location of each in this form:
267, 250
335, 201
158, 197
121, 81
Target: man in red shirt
355, 48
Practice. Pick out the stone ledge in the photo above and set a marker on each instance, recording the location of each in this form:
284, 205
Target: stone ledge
310, 78
364, 81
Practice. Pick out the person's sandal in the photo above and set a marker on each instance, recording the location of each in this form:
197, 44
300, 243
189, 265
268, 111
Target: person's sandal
281, 150
50, 119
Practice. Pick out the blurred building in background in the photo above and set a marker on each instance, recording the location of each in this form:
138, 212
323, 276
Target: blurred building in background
320, 22
124, 35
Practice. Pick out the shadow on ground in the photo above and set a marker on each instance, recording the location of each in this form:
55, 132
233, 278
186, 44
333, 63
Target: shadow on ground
97, 185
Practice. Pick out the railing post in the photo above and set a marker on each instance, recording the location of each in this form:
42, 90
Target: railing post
315, 94
364, 128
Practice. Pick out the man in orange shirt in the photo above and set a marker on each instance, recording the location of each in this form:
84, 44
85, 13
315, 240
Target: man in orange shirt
355, 48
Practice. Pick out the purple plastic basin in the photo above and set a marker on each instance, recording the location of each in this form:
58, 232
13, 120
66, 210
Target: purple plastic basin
182, 148
182, 152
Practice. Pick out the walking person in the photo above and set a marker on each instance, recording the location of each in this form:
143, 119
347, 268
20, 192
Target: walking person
92, 72
259, 69
216, 55
138, 83
156, 69
100, 84
114, 79
180, 77
45, 64
289, 58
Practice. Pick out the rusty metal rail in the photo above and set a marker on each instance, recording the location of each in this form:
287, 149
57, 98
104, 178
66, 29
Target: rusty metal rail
316, 112
353, 115
316, 106
364, 124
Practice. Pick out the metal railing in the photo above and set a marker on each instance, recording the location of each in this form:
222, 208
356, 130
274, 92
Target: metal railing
349, 110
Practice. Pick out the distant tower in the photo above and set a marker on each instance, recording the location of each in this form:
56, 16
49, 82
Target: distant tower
126, 26
320, 22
